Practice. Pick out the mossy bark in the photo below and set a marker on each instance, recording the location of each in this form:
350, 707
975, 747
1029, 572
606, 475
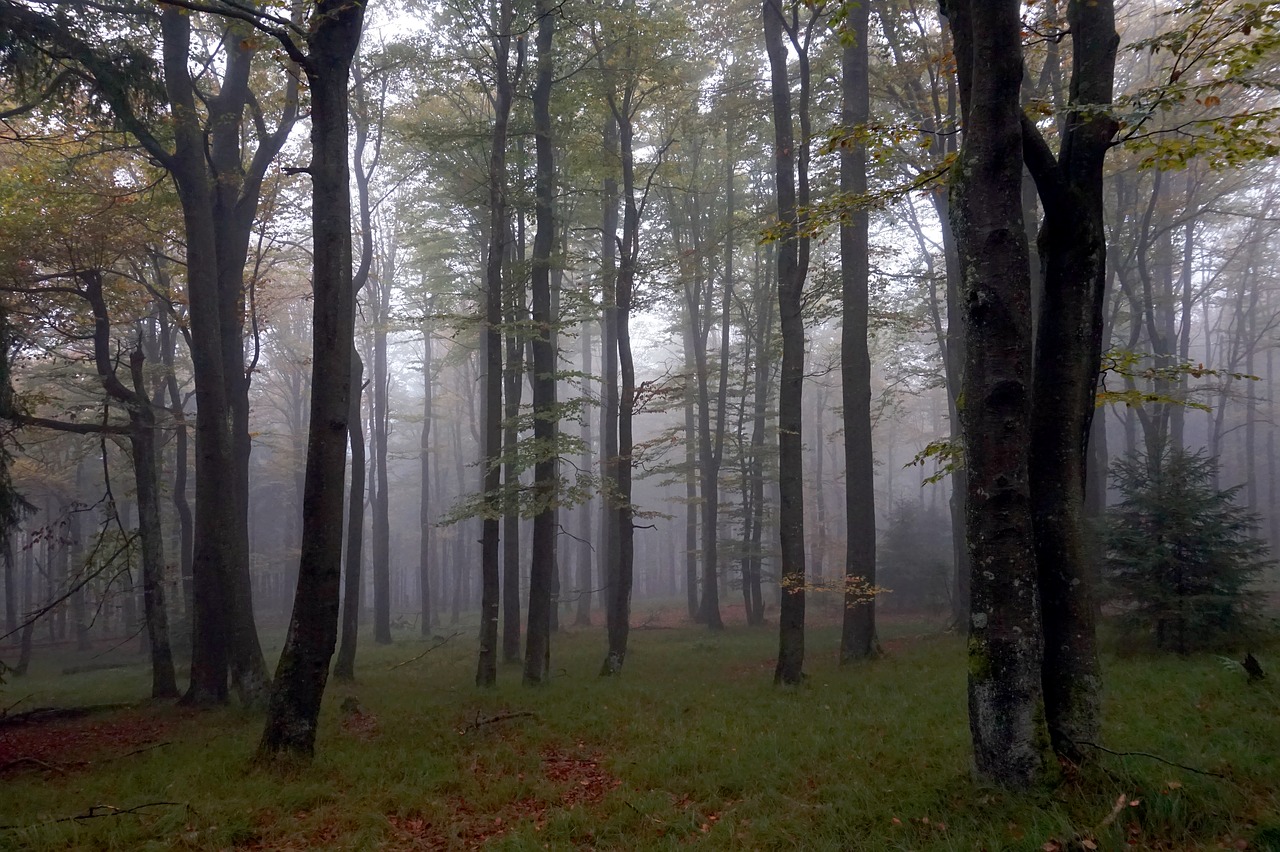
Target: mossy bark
1005, 696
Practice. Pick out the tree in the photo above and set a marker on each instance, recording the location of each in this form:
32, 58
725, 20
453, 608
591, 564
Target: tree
858, 638
1181, 555
792, 189
331, 40
203, 144
543, 571
506, 76
1068, 354
1005, 694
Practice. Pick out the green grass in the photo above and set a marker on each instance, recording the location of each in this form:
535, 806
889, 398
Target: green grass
694, 746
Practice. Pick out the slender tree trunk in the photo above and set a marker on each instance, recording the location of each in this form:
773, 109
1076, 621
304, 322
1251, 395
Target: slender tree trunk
424, 462
793, 263
486, 667
858, 636
690, 478
543, 571
513, 381
344, 668
615, 618
142, 425
620, 587
380, 505
304, 663
585, 574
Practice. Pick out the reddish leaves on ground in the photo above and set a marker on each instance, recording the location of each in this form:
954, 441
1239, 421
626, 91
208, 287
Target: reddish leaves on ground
66, 744
576, 775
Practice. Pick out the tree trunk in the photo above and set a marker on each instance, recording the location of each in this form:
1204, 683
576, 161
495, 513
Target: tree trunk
513, 381
304, 662
380, 505
690, 478
424, 462
1005, 697
142, 425
344, 669
543, 571
858, 636
1067, 362
793, 263
615, 617
583, 616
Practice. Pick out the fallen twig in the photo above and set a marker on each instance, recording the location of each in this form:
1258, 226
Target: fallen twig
144, 748
440, 644
5, 767
4, 714
97, 811
1156, 757
644, 815
480, 721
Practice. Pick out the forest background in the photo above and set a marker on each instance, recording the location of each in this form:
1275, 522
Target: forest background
620, 334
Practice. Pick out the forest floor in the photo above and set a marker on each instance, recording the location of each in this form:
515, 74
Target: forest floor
691, 746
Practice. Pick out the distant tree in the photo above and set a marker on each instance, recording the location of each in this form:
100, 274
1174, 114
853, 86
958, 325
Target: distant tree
1181, 555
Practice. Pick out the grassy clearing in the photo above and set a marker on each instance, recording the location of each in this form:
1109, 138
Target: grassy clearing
692, 745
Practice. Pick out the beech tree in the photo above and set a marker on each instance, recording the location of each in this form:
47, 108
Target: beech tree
330, 42
1005, 692
792, 192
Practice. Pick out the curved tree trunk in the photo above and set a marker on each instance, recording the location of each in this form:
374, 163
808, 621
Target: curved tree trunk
304, 663
1068, 358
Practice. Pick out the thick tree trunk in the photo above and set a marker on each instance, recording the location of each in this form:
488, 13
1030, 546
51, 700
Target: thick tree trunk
304, 662
858, 636
1005, 696
543, 571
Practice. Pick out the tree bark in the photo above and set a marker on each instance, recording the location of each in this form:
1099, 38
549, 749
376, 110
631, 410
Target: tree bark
793, 263
486, 666
1005, 694
1067, 362
858, 635
585, 580
543, 571
333, 36
344, 669
615, 617
424, 463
